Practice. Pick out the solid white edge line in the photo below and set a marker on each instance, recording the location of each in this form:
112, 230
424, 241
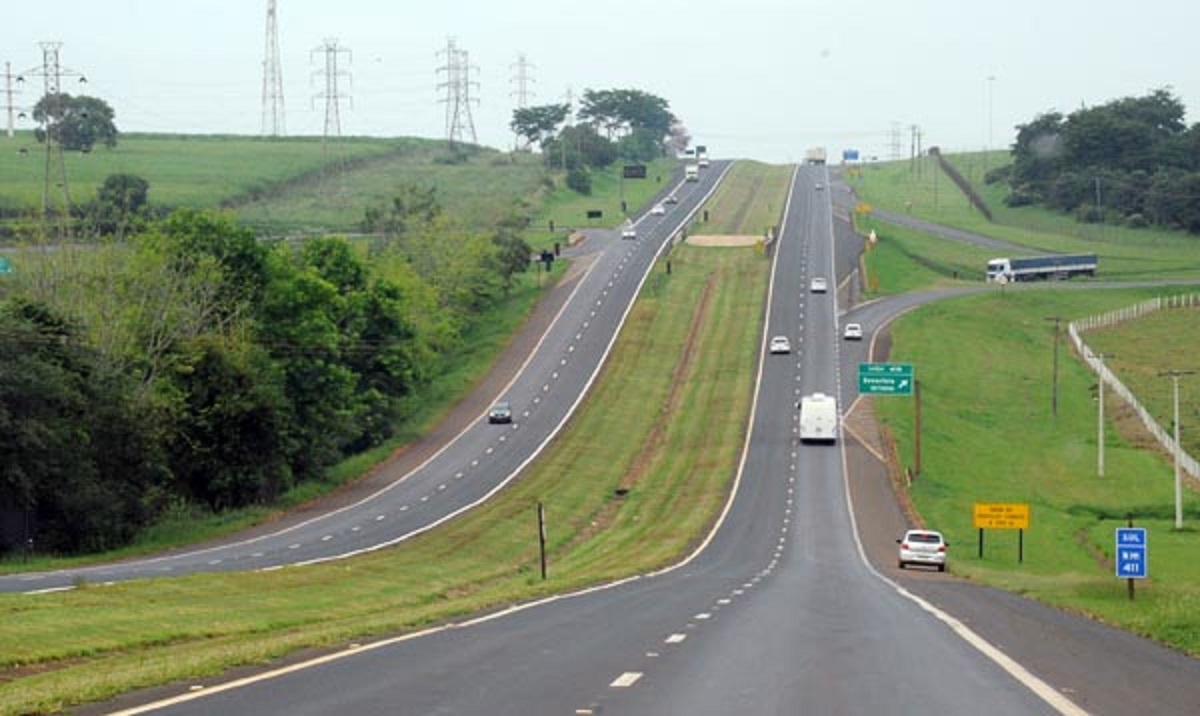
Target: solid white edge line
1040, 688
361, 648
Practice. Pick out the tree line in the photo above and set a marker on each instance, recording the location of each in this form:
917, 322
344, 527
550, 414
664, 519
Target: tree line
619, 124
189, 363
1133, 161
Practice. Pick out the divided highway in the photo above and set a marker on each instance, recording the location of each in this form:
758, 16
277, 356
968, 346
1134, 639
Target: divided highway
480, 460
779, 613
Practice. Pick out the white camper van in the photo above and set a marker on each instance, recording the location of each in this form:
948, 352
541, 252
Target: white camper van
818, 418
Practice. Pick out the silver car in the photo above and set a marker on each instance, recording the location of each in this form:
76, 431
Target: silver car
923, 547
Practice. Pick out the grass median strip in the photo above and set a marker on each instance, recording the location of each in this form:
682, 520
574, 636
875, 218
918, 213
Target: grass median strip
665, 428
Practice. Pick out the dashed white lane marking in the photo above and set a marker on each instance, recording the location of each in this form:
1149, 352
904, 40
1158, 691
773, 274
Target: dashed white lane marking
475, 462
257, 554
404, 508
213, 562
489, 451
652, 654
326, 538
441, 487
624, 681
294, 546
724, 602
356, 528
675, 638
702, 616
380, 518
425, 498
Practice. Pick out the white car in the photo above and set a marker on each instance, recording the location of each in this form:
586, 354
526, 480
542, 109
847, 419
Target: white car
820, 187
658, 210
629, 232
780, 344
923, 547
818, 285
853, 332
672, 199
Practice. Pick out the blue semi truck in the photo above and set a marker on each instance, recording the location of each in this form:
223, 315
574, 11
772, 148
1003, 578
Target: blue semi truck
1035, 268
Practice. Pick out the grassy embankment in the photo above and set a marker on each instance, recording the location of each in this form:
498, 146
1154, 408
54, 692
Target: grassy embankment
88, 644
986, 366
475, 194
919, 189
749, 202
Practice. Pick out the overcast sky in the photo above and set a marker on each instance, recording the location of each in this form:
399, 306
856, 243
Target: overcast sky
762, 79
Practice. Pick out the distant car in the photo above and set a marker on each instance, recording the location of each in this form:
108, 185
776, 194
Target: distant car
628, 232
853, 332
818, 285
672, 199
703, 162
658, 210
820, 187
501, 412
781, 344
923, 547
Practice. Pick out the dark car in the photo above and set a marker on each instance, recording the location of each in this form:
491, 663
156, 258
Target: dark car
500, 413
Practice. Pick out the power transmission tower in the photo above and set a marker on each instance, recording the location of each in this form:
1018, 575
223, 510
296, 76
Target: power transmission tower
458, 84
521, 92
896, 141
333, 100
9, 107
273, 124
52, 73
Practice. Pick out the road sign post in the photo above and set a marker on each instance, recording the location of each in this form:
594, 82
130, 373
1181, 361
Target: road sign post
1131, 552
1002, 516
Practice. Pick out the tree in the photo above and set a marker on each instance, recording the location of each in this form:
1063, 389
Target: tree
537, 124
121, 204
76, 123
625, 110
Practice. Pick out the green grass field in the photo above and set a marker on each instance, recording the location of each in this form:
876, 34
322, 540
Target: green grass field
1140, 351
749, 201
88, 644
989, 436
1125, 254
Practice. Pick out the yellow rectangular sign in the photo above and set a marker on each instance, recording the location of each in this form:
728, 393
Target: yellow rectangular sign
1001, 516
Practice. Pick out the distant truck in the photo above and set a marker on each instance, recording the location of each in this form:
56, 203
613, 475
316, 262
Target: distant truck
818, 418
702, 158
815, 155
692, 172
1034, 268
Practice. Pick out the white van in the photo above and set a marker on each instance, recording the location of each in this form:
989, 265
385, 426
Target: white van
818, 418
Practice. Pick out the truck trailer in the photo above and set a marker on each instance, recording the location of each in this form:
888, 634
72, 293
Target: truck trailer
1034, 268
818, 418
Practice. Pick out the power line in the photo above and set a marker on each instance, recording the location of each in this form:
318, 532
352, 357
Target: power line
9, 107
273, 124
458, 84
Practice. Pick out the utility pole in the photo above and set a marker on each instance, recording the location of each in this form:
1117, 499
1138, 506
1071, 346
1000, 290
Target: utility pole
991, 84
896, 141
55, 175
1175, 375
458, 84
1054, 387
273, 124
521, 92
1100, 417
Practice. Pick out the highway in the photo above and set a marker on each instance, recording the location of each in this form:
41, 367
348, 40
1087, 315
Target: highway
778, 614
481, 459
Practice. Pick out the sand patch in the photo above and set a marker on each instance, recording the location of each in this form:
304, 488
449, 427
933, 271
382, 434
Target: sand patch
723, 240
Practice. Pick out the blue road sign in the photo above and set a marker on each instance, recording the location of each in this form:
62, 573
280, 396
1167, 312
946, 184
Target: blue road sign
1131, 553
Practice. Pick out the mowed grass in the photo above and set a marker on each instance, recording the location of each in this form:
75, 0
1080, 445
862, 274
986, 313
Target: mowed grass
474, 194
1142, 350
198, 171
749, 201
672, 370
985, 364
920, 189
903, 260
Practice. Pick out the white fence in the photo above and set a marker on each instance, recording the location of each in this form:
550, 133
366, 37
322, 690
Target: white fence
1112, 318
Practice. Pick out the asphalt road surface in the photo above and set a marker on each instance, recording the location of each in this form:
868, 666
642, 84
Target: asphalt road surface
477, 462
794, 605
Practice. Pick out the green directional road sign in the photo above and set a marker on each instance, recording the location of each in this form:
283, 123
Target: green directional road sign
885, 378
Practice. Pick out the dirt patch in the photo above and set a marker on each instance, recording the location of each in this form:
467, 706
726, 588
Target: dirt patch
723, 240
